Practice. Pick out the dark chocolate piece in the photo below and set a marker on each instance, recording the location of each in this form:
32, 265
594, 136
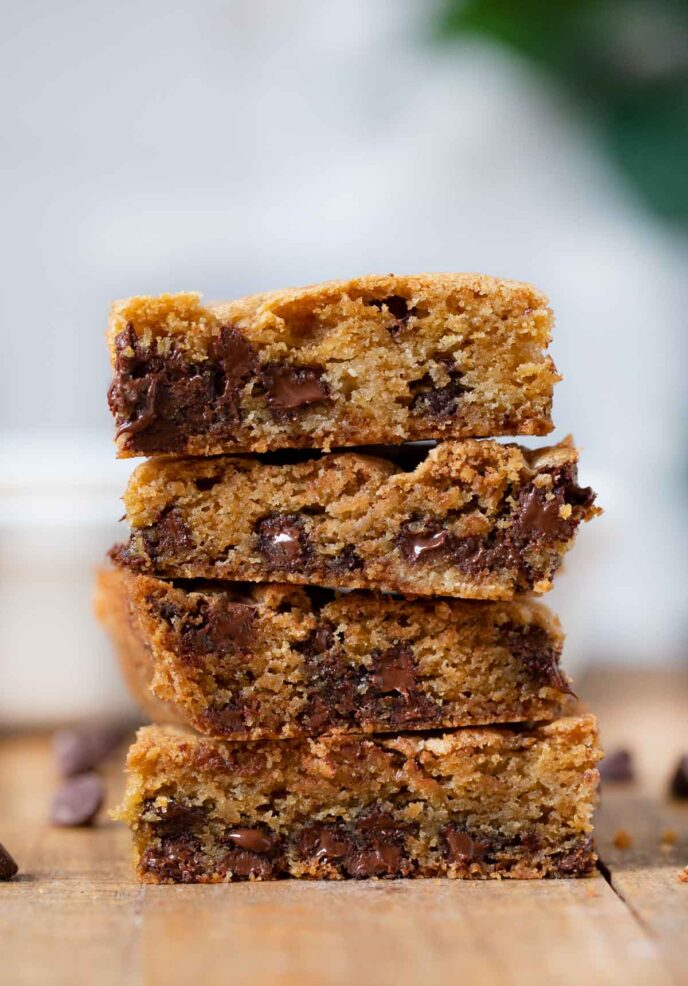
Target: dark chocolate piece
292, 387
163, 399
173, 816
283, 541
178, 858
417, 546
348, 560
535, 521
578, 861
394, 671
253, 840
218, 625
77, 801
436, 402
617, 767
168, 536
83, 747
8, 867
463, 848
679, 780
398, 308
532, 645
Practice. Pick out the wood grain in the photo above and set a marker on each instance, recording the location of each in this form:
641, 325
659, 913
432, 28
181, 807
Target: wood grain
76, 916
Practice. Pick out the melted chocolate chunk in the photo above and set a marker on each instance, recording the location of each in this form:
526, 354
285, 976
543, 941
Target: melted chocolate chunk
538, 519
177, 858
535, 522
77, 801
345, 694
246, 864
218, 625
323, 842
283, 541
381, 860
679, 780
419, 545
617, 767
432, 401
532, 646
462, 847
294, 387
8, 867
371, 846
394, 671
253, 840
168, 537
159, 400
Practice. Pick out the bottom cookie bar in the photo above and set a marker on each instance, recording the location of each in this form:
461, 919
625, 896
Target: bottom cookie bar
474, 803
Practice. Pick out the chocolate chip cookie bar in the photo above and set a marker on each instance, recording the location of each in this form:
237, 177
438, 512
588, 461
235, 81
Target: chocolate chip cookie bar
375, 359
276, 661
474, 519
474, 803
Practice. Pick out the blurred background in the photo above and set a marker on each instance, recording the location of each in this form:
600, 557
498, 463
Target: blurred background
234, 146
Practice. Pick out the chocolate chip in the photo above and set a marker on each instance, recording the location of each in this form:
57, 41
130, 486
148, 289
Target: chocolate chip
330, 844
679, 780
436, 402
394, 671
83, 747
398, 308
218, 625
235, 354
225, 720
168, 537
160, 400
460, 844
533, 647
205, 483
177, 858
293, 387
348, 560
282, 540
381, 860
578, 861
77, 801
617, 767
172, 816
538, 514
8, 867
320, 639
247, 864
253, 840
419, 545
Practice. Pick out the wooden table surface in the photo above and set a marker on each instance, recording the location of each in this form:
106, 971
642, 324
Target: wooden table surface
76, 916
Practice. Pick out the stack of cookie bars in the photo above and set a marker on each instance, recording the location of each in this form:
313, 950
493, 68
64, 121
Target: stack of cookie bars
326, 599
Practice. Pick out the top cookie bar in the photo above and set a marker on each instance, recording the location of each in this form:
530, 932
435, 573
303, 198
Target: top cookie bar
380, 359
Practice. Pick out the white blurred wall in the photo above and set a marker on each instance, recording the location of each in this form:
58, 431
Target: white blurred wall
243, 145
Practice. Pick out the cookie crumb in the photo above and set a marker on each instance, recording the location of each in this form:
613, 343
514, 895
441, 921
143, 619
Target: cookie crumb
683, 876
622, 839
